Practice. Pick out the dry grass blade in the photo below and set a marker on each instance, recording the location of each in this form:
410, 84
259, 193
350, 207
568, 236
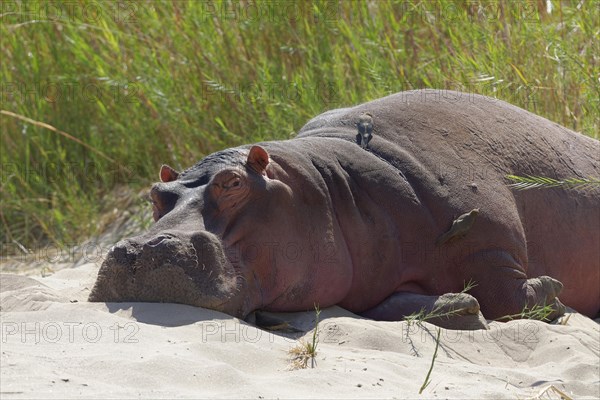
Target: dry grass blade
62, 133
301, 354
551, 393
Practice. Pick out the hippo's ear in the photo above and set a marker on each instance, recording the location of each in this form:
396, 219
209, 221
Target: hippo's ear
167, 174
258, 159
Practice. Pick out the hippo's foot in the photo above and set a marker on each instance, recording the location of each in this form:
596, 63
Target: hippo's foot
505, 293
457, 311
542, 300
450, 311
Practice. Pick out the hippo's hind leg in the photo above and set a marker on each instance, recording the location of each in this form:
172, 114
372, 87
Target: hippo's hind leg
502, 287
451, 310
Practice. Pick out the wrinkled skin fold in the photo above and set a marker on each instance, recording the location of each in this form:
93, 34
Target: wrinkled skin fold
320, 219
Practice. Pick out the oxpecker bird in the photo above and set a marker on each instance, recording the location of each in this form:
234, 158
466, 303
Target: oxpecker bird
365, 130
460, 227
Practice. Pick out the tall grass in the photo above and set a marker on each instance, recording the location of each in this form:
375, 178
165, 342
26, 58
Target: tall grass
144, 83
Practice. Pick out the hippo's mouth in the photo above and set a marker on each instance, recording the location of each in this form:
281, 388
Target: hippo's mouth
171, 268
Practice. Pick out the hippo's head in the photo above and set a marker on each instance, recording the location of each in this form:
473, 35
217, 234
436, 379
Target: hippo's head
213, 242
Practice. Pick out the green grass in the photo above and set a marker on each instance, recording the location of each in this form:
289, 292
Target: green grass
427, 380
537, 312
541, 182
304, 350
139, 84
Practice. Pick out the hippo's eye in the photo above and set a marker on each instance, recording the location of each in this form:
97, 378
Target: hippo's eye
233, 182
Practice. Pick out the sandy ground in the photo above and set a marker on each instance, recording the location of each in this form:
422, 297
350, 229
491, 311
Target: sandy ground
57, 345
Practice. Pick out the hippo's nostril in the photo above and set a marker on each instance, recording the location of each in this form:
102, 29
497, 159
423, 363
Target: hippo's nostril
157, 240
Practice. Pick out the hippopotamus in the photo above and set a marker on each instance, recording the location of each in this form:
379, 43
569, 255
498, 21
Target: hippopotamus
319, 219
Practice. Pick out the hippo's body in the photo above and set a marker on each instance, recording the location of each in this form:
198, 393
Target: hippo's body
320, 220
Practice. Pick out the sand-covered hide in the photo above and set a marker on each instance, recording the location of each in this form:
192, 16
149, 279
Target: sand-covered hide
57, 345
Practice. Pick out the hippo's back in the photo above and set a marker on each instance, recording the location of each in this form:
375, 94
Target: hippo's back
447, 125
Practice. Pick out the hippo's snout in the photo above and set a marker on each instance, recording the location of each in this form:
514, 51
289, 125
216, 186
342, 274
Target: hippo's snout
172, 267
123, 253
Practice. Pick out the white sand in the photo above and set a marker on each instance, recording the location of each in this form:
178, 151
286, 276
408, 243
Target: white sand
56, 345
